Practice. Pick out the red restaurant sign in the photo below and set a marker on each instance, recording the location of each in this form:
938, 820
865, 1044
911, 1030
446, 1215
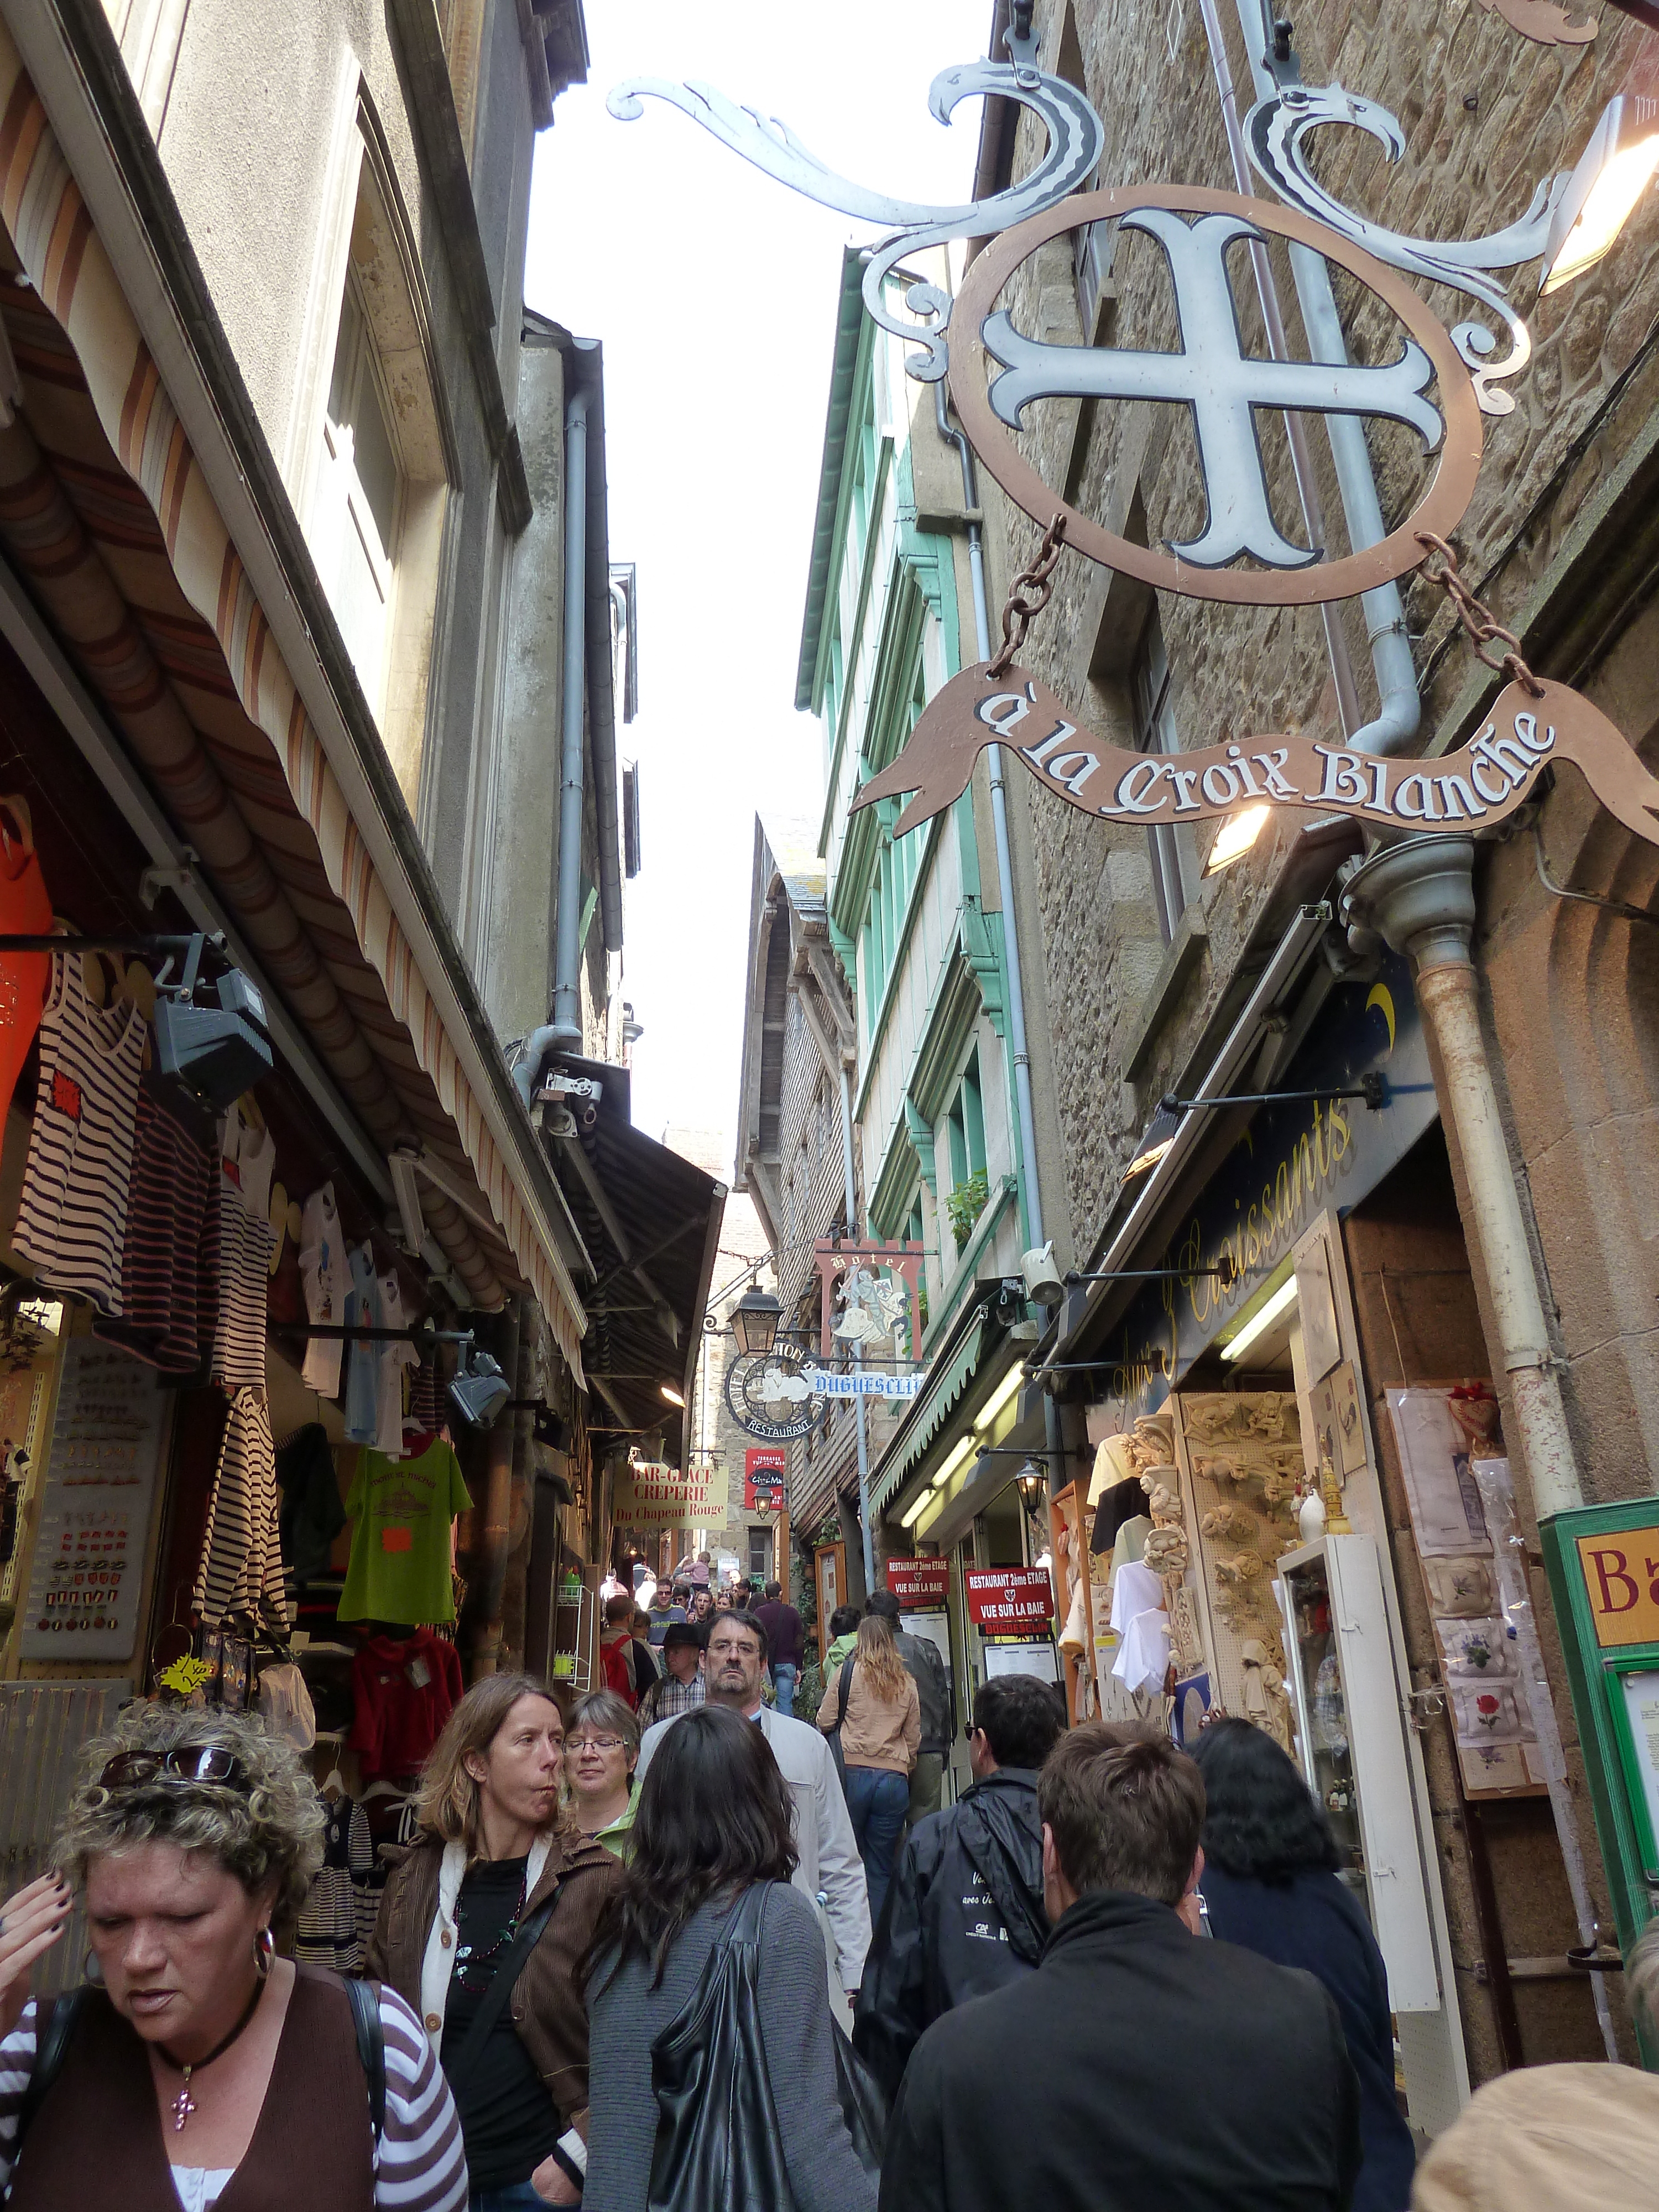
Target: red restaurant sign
919, 1583
1006, 1601
763, 1468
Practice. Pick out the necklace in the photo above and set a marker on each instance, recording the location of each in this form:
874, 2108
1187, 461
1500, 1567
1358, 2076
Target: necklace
184, 2103
469, 1958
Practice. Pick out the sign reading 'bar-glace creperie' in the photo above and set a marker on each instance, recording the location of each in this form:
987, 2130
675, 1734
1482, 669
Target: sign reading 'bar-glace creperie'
1481, 783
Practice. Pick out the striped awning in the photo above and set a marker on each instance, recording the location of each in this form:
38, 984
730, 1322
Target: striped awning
105, 511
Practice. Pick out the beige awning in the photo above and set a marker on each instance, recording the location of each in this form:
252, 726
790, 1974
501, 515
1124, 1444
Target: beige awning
107, 513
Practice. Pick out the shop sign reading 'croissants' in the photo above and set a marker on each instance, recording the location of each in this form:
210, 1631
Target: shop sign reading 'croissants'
1476, 785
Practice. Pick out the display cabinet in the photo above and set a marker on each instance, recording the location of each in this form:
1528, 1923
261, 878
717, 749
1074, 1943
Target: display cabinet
1351, 1745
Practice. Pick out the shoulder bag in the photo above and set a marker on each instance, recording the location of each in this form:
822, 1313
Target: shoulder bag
718, 2147
460, 2067
832, 1735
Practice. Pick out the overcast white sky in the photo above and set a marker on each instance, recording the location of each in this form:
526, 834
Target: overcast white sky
714, 290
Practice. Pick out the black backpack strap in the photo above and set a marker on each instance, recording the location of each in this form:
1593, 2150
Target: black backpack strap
365, 2000
54, 2027
461, 2066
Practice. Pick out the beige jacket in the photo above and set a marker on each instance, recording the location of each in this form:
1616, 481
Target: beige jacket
875, 1735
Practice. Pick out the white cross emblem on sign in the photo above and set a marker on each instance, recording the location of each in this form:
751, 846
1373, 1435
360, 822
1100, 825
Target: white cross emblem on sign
1221, 384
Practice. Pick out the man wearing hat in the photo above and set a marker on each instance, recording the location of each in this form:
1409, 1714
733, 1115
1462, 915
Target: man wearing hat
682, 1686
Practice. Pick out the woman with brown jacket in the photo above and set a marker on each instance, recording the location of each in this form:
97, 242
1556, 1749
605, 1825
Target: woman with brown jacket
481, 1928
880, 1734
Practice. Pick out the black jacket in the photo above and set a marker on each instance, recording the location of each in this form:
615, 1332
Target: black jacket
925, 1669
964, 1916
1138, 2066
1316, 1921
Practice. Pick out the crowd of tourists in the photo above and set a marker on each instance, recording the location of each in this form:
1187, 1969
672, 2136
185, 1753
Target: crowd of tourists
670, 1948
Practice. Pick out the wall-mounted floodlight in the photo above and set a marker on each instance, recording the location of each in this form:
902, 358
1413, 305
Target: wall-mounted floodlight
1613, 171
1237, 835
1272, 1308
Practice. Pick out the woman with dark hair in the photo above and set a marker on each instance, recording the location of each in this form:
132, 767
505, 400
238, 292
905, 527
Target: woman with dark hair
1271, 1884
712, 1821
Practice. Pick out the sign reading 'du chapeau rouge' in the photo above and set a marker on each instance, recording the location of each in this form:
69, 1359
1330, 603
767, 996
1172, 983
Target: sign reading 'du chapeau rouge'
1477, 785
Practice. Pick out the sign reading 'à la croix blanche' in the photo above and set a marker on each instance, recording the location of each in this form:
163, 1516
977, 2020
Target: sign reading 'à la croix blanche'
1479, 785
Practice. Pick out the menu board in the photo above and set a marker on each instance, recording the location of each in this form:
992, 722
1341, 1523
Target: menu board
95, 1508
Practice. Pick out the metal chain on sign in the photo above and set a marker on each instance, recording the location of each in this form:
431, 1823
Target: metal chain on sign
1476, 618
1020, 611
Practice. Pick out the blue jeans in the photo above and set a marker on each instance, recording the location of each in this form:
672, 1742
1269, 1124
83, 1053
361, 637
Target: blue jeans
519, 2197
783, 1681
878, 1800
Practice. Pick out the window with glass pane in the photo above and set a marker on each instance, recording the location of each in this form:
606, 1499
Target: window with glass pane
359, 499
1175, 857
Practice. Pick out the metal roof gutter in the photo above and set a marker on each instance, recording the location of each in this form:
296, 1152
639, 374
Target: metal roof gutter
843, 375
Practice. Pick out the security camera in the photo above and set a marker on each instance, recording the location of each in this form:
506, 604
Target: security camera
1042, 1278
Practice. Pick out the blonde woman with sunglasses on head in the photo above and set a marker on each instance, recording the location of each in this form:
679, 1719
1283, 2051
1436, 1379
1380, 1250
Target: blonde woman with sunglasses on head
198, 2065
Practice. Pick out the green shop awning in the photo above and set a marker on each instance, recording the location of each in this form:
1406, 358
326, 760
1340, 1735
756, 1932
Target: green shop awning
946, 1385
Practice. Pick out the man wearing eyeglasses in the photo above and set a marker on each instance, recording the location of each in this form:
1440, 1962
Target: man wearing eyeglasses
734, 1668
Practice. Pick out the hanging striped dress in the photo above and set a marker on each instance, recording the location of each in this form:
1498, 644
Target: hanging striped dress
241, 1568
72, 1221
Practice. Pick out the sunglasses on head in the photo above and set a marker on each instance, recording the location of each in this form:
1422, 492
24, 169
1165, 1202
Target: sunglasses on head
207, 1762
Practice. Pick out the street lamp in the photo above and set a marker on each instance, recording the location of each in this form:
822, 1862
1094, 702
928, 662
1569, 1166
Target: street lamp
668, 1391
755, 1320
1613, 171
1032, 1484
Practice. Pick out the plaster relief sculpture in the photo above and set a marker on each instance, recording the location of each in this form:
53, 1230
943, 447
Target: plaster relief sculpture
1228, 1524
1167, 1551
1165, 1506
1267, 1705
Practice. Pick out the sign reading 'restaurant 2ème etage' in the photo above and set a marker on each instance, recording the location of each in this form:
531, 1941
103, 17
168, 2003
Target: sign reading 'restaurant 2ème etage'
1481, 783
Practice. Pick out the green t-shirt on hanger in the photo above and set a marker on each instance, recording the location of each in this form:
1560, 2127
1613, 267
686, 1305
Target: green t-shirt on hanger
402, 1511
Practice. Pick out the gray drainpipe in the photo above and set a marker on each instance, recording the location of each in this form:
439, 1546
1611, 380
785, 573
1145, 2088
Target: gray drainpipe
1004, 857
567, 1025
1399, 708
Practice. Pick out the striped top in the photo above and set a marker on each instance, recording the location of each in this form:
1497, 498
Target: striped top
241, 1564
71, 1221
242, 1243
172, 1169
420, 2165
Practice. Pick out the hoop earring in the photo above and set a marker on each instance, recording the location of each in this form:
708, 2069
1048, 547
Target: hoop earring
91, 1971
264, 1950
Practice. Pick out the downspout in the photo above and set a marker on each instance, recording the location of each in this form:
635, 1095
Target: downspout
566, 1029
1022, 1057
857, 1356
1419, 897
1399, 708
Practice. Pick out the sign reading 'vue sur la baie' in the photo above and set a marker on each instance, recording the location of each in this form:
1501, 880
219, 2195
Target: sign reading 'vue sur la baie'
917, 1583
1009, 1601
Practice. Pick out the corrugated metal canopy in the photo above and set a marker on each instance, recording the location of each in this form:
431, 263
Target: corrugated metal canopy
652, 1222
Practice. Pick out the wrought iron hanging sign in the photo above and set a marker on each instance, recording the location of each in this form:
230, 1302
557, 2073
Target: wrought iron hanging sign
996, 371
1222, 387
770, 1395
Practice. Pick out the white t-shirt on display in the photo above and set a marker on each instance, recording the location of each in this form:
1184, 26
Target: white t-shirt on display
326, 1277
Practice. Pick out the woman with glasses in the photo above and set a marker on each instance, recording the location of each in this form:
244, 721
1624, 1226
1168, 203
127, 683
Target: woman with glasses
601, 1749
481, 1928
195, 2056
